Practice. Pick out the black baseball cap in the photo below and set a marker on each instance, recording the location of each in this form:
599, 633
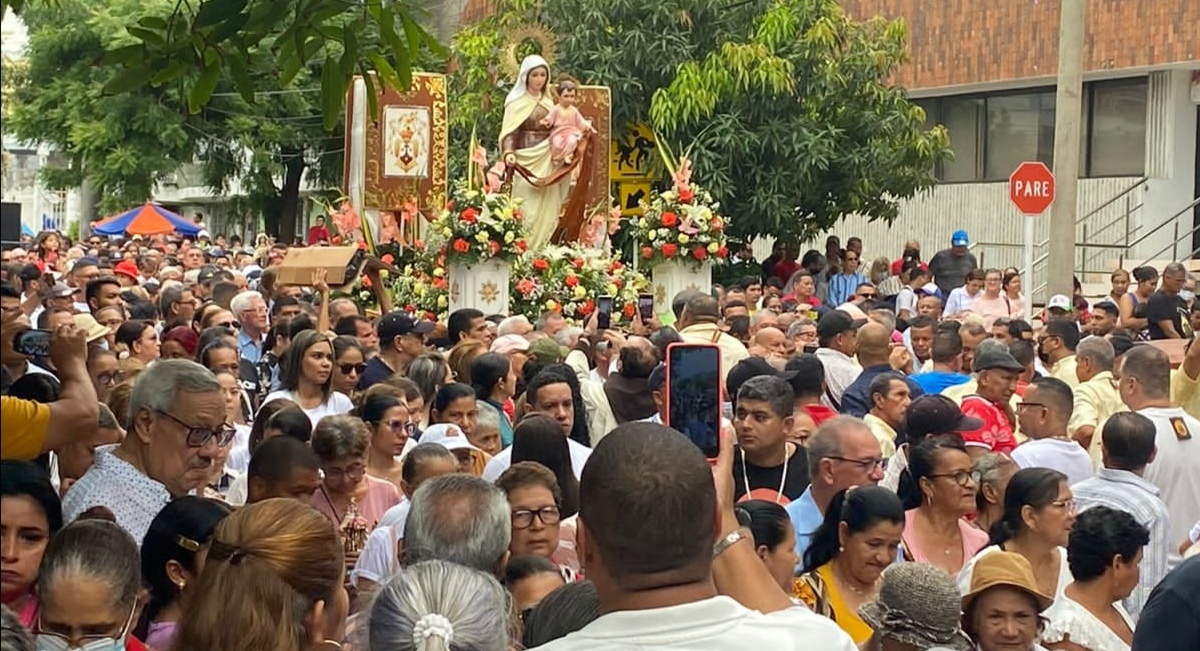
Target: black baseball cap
751, 367
397, 324
996, 359
937, 414
207, 273
658, 378
836, 322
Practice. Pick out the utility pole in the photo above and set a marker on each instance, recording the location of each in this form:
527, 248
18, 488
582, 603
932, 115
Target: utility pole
1068, 111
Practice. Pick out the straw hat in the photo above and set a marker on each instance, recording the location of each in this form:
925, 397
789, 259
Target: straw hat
1004, 569
94, 330
918, 604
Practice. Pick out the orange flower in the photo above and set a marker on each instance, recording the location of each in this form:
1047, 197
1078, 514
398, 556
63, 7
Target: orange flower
578, 262
670, 219
587, 307
629, 310
571, 281
470, 215
461, 245
647, 252
494, 247
723, 253
700, 253
686, 196
669, 250
520, 244
525, 286
388, 258
717, 224
540, 264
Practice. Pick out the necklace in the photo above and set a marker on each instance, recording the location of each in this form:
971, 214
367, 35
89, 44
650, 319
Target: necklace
782, 480
849, 585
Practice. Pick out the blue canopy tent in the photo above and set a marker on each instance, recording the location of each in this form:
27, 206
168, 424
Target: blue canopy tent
148, 219
27, 230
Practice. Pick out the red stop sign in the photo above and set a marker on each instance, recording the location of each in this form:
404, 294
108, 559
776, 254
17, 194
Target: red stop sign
1031, 188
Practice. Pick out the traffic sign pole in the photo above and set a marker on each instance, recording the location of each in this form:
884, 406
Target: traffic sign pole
1031, 189
1027, 274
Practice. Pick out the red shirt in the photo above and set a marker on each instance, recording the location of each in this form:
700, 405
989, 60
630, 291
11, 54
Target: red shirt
898, 264
996, 434
784, 270
317, 234
819, 413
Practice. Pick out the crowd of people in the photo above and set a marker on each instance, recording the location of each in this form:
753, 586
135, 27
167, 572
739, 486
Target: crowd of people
199, 457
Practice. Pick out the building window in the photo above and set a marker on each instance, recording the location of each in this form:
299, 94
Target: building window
993, 133
1116, 135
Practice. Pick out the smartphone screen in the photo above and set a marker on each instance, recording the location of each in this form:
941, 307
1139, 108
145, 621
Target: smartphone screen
646, 307
34, 343
694, 394
604, 306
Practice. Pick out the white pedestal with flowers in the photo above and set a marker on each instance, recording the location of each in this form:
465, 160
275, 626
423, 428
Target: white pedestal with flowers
681, 236
481, 234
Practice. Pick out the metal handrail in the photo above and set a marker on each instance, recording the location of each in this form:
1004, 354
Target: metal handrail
1140, 182
1175, 242
1169, 220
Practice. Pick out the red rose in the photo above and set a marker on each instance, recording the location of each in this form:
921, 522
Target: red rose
723, 253
699, 253
410, 308
494, 247
337, 239
670, 219
520, 244
362, 246
686, 195
617, 266
517, 216
470, 215
540, 264
647, 252
449, 205
618, 282
587, 307
717, 224
388, 258
571, 281
430, 316
366, 282
578, 262
669, 250
418, 244
461, 245
629, 310
440, 283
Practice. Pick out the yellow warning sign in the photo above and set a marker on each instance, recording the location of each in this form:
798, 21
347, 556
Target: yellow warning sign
633, 153
632, 194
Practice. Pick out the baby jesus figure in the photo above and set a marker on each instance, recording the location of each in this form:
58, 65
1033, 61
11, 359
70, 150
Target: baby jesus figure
567, 124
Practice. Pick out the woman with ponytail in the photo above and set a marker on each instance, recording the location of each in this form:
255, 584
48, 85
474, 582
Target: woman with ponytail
849, 552
171, 563
939, 494
1039, 512
438, 606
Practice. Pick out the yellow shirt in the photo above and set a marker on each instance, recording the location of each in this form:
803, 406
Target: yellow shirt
1185, 392
1064, 369
884, 432
1095, 401
25, 426
818, 591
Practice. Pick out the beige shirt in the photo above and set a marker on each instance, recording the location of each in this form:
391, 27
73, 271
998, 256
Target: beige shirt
1095, 401
732, 350
1064, 369
600, 418
1185, 392
884, 432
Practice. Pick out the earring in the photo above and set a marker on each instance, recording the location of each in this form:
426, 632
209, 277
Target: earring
182, 583
841, 548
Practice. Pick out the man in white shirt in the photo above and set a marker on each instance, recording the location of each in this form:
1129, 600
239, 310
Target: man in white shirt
177, 425
1127, 445
548, 393
1043, 415
1145, 386
649, 515
837, 334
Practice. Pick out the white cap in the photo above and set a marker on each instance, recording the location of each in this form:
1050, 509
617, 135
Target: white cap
853, 310
930, 288
448, 436
1060, 301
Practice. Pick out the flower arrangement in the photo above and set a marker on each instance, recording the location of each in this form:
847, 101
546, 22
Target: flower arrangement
423, 287
477, 226
569, 279
681, 224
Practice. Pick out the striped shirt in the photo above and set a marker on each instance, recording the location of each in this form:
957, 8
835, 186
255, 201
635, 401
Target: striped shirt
842, 287
1126, 491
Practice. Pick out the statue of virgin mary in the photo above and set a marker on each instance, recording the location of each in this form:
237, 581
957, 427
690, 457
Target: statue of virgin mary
542, 184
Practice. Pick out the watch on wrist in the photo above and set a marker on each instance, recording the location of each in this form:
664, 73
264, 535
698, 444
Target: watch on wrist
734, 537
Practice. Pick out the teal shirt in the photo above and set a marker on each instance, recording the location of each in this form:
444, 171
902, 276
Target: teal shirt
506, 428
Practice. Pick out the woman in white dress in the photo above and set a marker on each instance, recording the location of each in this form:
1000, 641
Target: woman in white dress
1104, 551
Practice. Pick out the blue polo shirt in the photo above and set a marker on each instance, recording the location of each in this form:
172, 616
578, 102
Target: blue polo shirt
935, 382
248, 348
806, 519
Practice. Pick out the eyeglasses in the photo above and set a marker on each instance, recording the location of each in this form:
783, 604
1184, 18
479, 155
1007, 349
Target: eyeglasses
111, 379
1069, 505
866, 465
347, 369
523, 518
198, 437
73, 641
228, 325
354, 472
406, 426
960, 477
867, 294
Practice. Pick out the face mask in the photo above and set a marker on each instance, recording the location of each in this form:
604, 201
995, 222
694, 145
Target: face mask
1187, 295
54, 643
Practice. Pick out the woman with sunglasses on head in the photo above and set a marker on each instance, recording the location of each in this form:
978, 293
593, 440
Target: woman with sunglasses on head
172, 557
1039, 512
858, 540
391, 435
349, 362
88, 589
939, 496
306, 375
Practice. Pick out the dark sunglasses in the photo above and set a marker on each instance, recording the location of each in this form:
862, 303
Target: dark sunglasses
346, 369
